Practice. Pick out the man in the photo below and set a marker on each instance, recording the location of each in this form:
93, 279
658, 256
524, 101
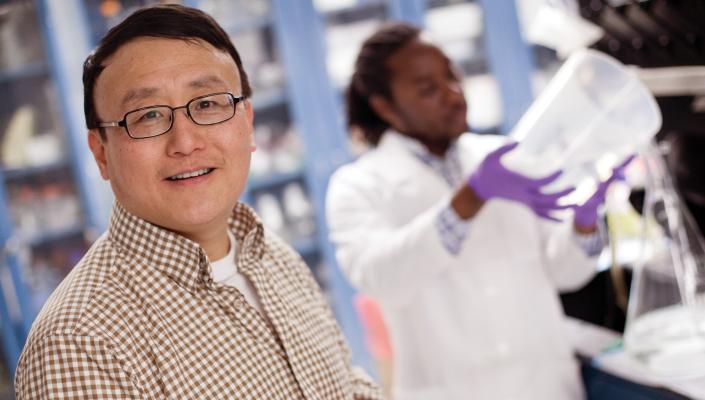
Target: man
463, 256
185, 297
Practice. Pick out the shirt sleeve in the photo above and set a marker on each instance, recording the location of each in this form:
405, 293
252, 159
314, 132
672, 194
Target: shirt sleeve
568, 264
71, 367
452, 229
364, 388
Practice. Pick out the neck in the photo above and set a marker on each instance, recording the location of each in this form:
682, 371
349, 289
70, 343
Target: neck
216, 243
437, 147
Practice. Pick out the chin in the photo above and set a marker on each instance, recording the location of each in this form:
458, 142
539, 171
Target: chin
456, 133
202, 213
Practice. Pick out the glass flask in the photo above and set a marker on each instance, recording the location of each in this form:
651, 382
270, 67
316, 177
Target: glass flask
665, 327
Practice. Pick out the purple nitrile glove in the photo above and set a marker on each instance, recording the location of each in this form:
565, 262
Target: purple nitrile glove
493, 180
586, 214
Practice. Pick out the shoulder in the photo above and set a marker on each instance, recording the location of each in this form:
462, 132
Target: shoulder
276, 248
387, 164
67, 311
481, 144
288, 263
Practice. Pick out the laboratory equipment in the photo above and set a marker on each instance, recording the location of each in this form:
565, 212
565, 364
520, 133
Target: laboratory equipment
665, 328
594, 113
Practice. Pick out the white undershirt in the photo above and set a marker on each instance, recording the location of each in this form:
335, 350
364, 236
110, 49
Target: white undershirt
225, 272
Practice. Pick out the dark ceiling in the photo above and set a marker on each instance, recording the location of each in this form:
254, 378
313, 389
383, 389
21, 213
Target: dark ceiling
655, 33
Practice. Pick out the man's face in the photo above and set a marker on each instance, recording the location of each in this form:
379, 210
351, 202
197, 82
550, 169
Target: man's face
157, 71
427, 98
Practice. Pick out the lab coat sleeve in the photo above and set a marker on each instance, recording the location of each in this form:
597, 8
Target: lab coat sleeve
567, 264
387, 262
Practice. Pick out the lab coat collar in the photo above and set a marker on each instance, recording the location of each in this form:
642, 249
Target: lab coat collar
395, 139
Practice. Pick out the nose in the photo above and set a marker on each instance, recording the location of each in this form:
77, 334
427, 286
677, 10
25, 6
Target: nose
185, 136
454, 92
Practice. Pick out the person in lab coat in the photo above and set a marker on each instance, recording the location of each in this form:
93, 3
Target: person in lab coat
463, 256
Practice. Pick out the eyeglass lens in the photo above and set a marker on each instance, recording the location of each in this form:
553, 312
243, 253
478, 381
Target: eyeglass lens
154, 121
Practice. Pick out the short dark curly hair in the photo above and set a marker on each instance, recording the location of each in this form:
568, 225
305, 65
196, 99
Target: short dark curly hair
372, 77
164, 21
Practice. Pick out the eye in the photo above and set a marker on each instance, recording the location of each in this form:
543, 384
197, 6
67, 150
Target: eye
205, 104
150, 115
428, 89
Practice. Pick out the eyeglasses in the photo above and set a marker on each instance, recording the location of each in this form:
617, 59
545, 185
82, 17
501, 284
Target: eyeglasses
147, 122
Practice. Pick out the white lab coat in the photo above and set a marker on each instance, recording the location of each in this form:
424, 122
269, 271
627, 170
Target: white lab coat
484, 324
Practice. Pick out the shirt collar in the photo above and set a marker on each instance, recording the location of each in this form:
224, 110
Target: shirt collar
149, 246
416, 147
448, 167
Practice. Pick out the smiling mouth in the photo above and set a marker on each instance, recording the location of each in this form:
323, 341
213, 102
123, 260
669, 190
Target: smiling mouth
192, 174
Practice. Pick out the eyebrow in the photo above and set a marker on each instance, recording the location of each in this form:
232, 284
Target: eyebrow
138, 94
208, 81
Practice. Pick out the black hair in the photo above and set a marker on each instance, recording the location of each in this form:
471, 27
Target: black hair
163, 21
372, 77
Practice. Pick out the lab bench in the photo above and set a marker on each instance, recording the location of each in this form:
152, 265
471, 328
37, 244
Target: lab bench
609, 373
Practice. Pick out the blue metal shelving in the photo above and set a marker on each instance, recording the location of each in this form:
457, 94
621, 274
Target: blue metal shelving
510, 59
306, 247
359, 6
13, 331
299, 33
412, 11
32, 70
273, 180
62, 28
268, 99
12, 174
66, 32
55, 235
258, 23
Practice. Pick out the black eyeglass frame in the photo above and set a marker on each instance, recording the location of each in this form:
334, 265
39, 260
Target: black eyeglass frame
123, 122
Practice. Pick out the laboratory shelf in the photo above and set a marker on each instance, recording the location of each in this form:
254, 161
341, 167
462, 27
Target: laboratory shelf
55, 235
32, 70
268, 98
362, 10
273, 180
249, 25
306, 247
476, 63
15, 174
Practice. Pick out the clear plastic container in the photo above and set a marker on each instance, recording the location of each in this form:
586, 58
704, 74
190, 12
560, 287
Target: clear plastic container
592, 114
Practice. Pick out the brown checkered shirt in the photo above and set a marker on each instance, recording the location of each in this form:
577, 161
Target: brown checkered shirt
140, 317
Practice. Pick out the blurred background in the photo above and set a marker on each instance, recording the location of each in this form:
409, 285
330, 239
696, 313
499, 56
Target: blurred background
299, 56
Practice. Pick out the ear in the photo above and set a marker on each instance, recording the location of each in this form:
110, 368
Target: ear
97, 146
386, 111
250, 117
